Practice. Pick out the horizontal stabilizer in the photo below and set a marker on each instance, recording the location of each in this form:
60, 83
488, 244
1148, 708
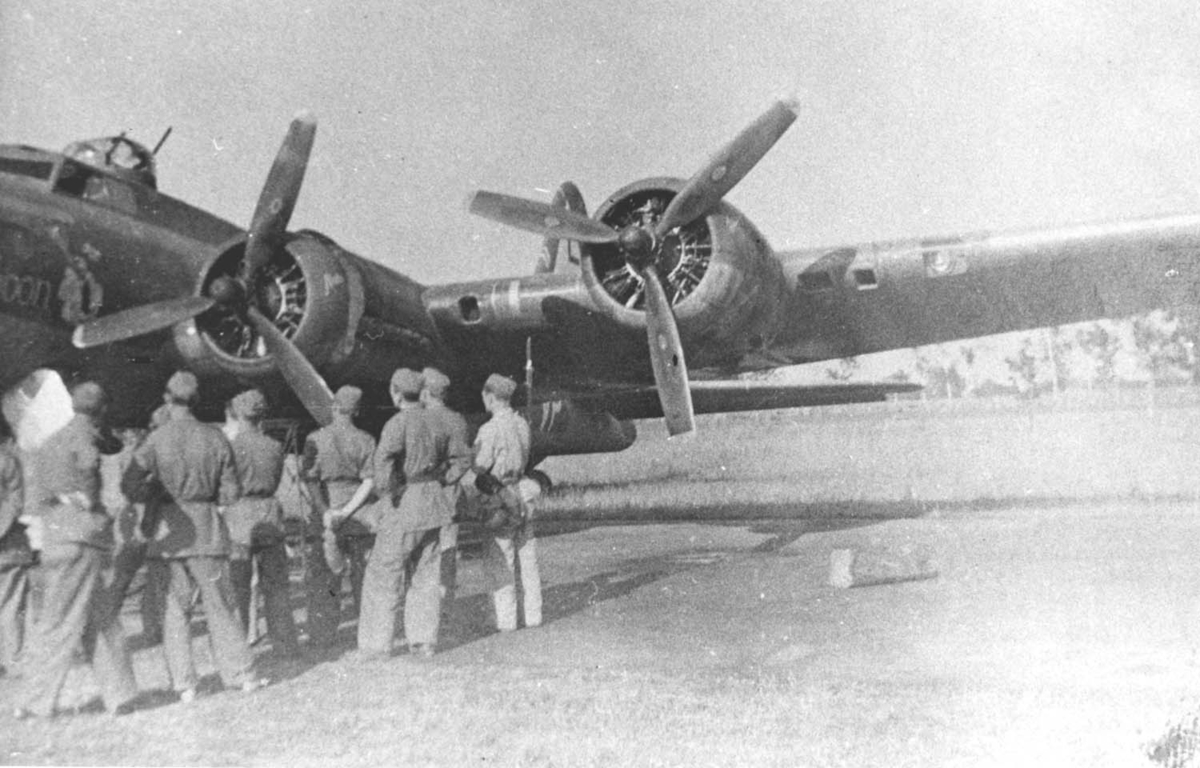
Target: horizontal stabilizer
738, 395
727, 395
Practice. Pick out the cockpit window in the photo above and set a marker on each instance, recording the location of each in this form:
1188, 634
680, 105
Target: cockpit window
89, 184
121, 156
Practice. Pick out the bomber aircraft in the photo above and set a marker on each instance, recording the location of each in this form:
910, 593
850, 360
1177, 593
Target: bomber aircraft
104, 277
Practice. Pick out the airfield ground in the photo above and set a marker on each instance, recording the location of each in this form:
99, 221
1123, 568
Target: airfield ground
1056, 633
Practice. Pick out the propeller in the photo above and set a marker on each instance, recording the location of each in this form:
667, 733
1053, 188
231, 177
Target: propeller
540, 218
278, 197
300, 374
267, 229
641, 245
139, 320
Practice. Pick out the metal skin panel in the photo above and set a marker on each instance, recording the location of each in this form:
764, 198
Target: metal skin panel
931, 291
71, 250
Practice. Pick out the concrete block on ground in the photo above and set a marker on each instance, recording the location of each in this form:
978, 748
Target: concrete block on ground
869, 566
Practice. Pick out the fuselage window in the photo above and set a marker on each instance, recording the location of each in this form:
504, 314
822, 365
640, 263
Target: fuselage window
38, 169
468, 308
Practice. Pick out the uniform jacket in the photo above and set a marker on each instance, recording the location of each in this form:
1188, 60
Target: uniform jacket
194, 465
502, 446
337, 459
256, 517
14, 544
66, 475
420, 453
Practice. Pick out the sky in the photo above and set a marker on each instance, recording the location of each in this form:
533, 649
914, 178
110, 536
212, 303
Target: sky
916, 118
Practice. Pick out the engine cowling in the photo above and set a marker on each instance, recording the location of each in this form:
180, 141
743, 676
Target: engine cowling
349, 317
724, 282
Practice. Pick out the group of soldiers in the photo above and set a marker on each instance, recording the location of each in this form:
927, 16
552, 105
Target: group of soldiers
202, 516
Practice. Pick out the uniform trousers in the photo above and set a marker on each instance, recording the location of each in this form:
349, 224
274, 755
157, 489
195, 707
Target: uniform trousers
76, 609
14, 601
130, 557
449, 564
227, 640
405, 566
505, 554
271, 557
324, 587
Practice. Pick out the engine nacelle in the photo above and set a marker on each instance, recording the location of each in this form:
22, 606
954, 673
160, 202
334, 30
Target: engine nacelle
352, 319
724, 282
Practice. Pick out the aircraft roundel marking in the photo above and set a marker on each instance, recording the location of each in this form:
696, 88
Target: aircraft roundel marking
719, 172
552, 221
276, 205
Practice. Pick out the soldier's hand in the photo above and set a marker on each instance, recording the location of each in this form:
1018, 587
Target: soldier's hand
332, 518
35, 530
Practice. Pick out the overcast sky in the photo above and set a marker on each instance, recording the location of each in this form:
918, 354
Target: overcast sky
916, 118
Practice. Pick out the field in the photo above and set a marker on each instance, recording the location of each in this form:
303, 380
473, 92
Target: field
1057, 632
896, 458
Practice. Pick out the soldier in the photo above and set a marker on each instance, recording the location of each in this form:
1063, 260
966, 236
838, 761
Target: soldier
502, 453
193, 464
338, 469
132, 523
256, 523
76, 542
15, 554
433, 397
414, 462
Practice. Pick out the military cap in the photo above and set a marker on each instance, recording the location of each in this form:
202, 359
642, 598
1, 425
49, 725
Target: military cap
435, 381
347, 399
183, 387
406, 381
88, 398
250, 404
500, 386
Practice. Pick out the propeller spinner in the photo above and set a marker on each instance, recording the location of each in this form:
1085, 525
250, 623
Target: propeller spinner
236, 293
641, 245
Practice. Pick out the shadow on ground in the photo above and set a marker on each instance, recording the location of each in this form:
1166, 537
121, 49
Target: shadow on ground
468, 618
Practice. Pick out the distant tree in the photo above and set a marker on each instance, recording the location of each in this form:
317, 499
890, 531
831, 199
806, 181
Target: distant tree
1188, 316
1026, 366
1101, 342
939, 367
1164, 347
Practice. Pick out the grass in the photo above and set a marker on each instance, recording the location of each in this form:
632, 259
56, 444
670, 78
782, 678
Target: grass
894, 461
472, 711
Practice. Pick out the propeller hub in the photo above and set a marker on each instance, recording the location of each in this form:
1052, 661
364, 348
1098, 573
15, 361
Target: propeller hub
227, 292
638, 245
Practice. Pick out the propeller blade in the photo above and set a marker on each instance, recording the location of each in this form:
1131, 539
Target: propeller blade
300, 375
727, 167
278, 197
541, 218
138, 321
566, 196
666, 357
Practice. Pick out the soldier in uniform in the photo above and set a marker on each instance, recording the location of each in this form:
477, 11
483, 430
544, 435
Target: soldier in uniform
76, 545
193, 463
255, 523
416, 459
433, 397
338, 467
15, 554
131, 543
502, 451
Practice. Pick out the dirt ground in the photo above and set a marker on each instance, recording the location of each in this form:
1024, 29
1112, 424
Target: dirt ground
1050, 636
